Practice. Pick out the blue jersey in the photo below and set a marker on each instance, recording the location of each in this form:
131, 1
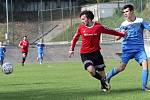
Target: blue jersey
134, 40
40, 48
2, 51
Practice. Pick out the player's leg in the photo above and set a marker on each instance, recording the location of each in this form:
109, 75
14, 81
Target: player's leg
97, 74
1, 61
23, 58
102, 73
125, 57
88, 65
115, 71
104, 84
100, 69
90, 68
145, 75
141, 58
24, 55
40, 58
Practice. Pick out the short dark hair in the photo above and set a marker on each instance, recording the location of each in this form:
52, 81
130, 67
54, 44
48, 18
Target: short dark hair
88, 14
24, 36
130, 6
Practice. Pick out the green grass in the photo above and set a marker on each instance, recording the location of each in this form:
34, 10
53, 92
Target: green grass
69, 81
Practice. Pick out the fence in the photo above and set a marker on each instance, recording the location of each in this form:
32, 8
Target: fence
34, 24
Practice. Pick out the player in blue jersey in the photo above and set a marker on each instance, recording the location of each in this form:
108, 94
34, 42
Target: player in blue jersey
2, 53
40, 52
133, 44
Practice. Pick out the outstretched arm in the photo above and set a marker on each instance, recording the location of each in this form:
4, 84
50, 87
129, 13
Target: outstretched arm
112, 32
121, 29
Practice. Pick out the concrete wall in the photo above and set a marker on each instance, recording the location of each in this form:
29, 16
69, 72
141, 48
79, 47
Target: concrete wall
57, 52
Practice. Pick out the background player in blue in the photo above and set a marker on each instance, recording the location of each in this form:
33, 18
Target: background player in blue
133, 45
40, 52
2, 53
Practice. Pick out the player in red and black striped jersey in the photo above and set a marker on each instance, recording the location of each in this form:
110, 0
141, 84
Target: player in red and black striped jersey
24, 44
92, 59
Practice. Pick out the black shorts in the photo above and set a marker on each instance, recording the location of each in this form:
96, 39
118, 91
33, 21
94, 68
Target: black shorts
26, 53
95, 59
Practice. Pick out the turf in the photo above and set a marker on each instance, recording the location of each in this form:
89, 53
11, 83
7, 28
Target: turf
69, 81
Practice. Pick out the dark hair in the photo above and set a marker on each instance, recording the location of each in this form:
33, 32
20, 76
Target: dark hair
131, 7
25, 36
88, 14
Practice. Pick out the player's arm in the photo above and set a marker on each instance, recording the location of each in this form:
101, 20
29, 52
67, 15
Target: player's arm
146, 25
28, 44
112, 32
4, 49
121, 29
73, 43
37, 45
20, 44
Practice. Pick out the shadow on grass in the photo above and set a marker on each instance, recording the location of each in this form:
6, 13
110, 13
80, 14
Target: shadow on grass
122, 91
62, 94
19, 84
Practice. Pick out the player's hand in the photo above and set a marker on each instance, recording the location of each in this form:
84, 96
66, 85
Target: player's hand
21, 46
71, 53
118, 38
124, 32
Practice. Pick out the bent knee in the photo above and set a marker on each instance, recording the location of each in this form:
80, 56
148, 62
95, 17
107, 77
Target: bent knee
91, 70
121, 68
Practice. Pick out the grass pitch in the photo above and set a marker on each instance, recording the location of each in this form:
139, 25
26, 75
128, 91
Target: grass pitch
69, 81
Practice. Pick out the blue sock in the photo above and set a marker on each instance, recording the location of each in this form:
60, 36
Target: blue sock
144, 78
111, 73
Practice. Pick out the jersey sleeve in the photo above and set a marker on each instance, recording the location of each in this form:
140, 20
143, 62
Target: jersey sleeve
4, 49
75, 39
37, 45
111, 32
20, 43
146, 25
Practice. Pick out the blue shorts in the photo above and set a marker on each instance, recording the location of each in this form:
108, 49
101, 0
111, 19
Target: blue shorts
139, 56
